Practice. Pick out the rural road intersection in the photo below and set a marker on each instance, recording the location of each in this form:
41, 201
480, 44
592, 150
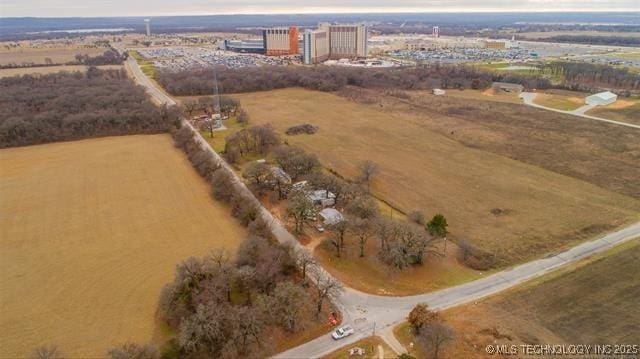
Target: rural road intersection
376, 315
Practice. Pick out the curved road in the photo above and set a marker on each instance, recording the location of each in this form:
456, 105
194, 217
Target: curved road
372, 314
528, 98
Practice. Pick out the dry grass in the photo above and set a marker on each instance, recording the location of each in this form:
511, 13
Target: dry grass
577, 305
485, 95
370, 346
561, 100
44, 70
419, 168
624, 110
90, 231
369, 275
58, 55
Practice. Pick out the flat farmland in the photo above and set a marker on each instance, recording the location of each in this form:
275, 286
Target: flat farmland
44, 70
90, 231
58, 55
513, 209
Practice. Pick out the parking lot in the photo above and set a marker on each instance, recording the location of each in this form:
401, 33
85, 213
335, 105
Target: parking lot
181, 58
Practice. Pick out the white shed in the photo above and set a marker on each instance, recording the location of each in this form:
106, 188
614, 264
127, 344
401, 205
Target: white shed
602, 98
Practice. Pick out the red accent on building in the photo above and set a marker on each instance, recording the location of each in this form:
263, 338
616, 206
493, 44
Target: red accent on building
293, 40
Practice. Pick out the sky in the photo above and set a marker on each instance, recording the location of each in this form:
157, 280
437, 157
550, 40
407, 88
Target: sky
67, 8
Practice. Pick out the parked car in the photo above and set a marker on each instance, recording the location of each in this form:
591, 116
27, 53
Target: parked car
342, 332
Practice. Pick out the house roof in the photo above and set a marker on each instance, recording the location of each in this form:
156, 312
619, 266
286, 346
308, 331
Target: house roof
320, 194
280, 174
331, 215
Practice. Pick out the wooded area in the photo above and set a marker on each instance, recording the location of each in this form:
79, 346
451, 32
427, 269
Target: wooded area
70, 106
326, 78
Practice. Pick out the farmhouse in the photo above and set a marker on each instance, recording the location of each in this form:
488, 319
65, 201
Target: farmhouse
507, 87
602, 98
322, 197
330, 216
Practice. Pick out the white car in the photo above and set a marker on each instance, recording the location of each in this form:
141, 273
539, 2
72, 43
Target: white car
342, 332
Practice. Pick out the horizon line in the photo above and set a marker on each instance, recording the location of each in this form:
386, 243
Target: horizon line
358, 12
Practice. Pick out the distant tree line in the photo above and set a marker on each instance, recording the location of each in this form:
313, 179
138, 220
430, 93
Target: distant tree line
589, 77
69, 106
195, 82
594, 40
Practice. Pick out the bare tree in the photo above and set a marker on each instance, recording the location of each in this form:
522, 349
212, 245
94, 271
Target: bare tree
363, 230
242, 117
300, 208
434, 337
290, 302
363, 207
326, 286
338, 231
304, 260
190, 107
133, 351
368, 170
47, 352
257, 172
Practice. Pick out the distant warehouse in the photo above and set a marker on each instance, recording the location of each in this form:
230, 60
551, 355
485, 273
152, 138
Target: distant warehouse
245, 46
602, 98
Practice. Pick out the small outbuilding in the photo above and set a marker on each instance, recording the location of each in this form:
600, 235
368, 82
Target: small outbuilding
601, 99
330, 216
507, 87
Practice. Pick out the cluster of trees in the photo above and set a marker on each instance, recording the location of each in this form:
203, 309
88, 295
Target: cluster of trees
196, 82
257, 139
431, 331
223, 308
589, 77
69, 106
228, 105
109, 57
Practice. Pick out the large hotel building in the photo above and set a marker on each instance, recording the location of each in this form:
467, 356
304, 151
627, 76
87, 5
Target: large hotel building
334, 42
280, 41
326, 42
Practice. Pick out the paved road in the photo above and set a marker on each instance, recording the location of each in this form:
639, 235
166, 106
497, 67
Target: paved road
528, 98
372, 314
158, 95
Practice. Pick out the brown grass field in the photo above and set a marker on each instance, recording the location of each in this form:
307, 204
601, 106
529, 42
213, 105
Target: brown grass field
59, 55
44, 70
624, 110
576, 305
540, 211
561, 100
90, 231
